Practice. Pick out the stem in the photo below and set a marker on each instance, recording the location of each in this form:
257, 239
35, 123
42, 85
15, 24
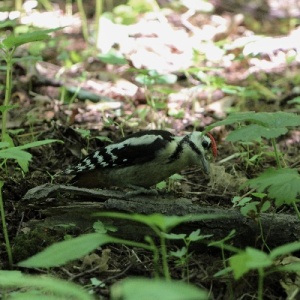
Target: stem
5, 233
262, 235
228, 282
164, 258
47, 5
8, 87
276, 153
163, 251
296, 209
85, 31
155, 256
260, 284
98, 13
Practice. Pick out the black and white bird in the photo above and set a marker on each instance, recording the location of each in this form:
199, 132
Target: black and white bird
142, 159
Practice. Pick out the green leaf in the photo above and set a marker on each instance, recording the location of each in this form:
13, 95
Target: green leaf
238, 264
272, 120
153, 77
65, 251
159, 221
179, 253
22, 157
161, 185
268, 125
174, 236
239, 201
234, 118
293, 267
196, 236
283, 185
4, 108
8, 139
279, 119
41, 286
99, 227
250, 259
104, 139
148, 289
259, 195
223, 272
285, 249
113, 57
38, 144
4, 145
32, 295
249, 208
27, 59
294, 100
15, 41
176, 177
265, 206
254, 132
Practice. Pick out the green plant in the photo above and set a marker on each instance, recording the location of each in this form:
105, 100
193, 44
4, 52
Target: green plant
253, 208
4, 228
8, 47
85, 30
86, 134
67, 250
128, 13
22, 157
183, 255
226, 268
282, 184
170, 183
62, 252
265, 264
142, 288
8, 151
113, 57
253, 153
120, 123
295, 101
249, 259
84, 21
151, 77
259, 125
16, 285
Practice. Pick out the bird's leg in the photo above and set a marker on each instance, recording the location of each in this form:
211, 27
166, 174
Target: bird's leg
138, 190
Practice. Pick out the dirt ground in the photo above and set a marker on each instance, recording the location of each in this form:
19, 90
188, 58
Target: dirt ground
47, 110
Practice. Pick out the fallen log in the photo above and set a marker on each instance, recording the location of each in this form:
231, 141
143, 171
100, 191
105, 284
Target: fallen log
67, 204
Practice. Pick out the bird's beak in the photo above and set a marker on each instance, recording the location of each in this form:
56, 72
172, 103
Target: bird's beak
205, 164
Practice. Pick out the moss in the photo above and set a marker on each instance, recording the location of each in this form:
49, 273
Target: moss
34, 241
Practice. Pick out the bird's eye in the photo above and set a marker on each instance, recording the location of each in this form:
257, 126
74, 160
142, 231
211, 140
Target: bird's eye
205, 144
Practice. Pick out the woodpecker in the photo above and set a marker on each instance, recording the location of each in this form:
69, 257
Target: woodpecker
142, 159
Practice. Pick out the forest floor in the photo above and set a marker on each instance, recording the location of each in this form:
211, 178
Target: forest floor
207, 65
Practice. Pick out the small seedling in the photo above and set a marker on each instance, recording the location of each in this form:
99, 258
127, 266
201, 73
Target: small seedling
265, 264
183, 255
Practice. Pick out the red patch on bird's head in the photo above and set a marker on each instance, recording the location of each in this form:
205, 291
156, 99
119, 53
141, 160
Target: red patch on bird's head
214, 148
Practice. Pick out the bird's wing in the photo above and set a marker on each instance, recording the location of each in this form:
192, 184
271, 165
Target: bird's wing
136, 149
